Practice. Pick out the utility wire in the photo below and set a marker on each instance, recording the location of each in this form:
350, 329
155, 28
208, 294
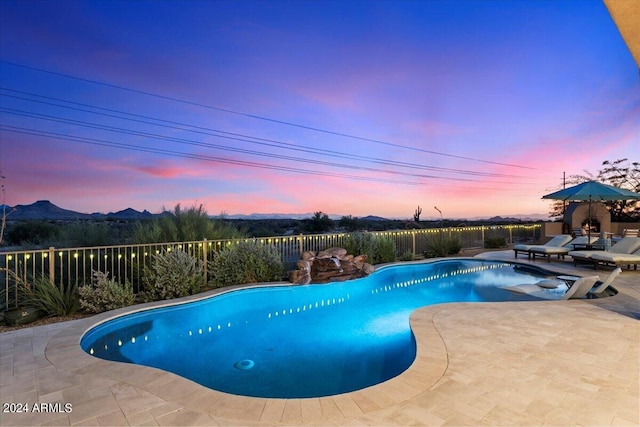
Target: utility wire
172, 153
338, 154
225, 148
241, 137
253, 116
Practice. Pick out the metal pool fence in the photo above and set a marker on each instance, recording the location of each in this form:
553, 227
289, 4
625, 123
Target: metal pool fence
127, 263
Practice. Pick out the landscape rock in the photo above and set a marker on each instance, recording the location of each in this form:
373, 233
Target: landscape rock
330, 265
308, 255
339, 253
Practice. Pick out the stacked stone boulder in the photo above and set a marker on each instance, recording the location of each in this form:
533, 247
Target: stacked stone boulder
330, 265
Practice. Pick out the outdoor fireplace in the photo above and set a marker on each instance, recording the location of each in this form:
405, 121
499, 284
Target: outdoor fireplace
595, 225
577, 216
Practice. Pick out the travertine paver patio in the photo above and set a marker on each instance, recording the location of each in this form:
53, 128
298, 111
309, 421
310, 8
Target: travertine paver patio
517, 363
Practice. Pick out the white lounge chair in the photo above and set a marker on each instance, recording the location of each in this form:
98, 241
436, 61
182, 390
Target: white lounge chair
617, 259
557, 242
577, 232
627, 232
544, 250
579, 289
600, 286
626, 246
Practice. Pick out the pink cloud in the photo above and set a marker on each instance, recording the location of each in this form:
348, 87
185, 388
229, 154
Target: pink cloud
163, 170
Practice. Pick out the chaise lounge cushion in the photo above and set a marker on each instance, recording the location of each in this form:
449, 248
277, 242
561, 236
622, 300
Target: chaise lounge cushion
615, 258
562, 250
627, 245
555, 242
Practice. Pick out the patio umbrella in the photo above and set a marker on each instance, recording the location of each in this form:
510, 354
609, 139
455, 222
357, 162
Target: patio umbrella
592, 190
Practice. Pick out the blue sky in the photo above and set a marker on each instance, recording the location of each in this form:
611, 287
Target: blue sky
358, 107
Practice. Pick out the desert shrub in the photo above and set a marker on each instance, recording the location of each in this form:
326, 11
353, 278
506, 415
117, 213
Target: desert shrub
245, 262
441, 245
495, 242
105, 294
378, 249
384, 250
360, 244
172, 274
31, 233
183, 225
407, 256
49, 298
85, 234
41, 293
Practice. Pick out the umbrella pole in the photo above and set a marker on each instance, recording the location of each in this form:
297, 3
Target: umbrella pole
589, 238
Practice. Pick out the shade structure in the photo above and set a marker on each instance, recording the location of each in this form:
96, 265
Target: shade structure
593, 190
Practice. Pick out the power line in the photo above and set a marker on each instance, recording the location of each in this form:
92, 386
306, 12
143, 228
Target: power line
235, 137
253, 116
220, 147
171, 153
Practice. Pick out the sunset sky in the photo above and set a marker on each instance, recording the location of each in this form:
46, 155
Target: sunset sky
346, 107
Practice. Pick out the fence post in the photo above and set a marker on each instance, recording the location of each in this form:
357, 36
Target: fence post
510, 235
482, 229
52, 264
413, 242
204, 259
300, 246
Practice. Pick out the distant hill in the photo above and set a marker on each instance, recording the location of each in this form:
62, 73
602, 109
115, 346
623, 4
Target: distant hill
373, 218
258, 216
519, 217
129, 214
45, 210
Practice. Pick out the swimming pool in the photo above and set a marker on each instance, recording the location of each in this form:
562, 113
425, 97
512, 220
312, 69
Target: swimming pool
301, 341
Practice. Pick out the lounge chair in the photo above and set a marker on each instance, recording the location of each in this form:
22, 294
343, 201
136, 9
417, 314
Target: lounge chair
544, 250
600, 286
577, 232
626, 246
627, 232
617, 259
556, 242
579, 289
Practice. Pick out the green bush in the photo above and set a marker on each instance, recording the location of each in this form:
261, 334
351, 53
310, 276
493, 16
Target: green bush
245, 262
407, 256
85, 234
184, 225
384, 250
441, 245
378, 249
173, 274
105, 294
41, 293
31, 233
52, 299
495, 242
360, 244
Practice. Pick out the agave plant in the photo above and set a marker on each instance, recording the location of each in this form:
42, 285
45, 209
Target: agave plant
42, 294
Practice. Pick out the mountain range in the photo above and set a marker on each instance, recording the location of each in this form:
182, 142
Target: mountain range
45, 210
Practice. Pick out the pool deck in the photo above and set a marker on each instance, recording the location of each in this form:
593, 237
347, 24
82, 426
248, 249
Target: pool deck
573, 362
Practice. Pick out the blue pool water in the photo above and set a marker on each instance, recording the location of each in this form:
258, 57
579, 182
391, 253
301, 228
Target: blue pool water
300, 341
